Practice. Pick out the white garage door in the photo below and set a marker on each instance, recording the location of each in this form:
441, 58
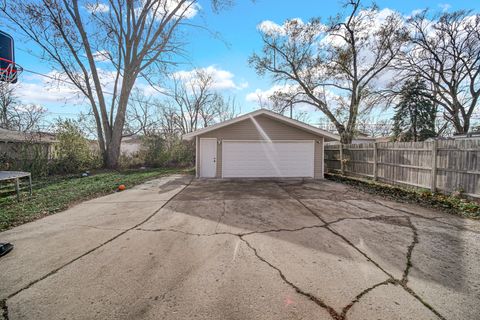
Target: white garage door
251, 159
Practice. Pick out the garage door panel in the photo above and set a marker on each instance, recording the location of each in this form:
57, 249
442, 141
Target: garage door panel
267, 159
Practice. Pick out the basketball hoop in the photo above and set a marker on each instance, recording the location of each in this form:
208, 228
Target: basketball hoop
9, 70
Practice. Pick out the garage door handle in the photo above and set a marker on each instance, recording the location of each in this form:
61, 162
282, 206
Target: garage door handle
214, 159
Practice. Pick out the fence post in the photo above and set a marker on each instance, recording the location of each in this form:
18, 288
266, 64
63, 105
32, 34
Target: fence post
434, 166
375, 161
342, 167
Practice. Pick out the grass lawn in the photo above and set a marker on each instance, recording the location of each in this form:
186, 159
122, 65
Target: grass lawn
51, 195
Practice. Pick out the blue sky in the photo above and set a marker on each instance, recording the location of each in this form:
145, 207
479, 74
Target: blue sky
237, 28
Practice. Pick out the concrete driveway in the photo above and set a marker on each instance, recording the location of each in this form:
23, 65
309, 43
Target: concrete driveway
180, 249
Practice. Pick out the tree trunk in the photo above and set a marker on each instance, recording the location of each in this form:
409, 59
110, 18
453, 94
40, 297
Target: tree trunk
113, 153
457, 117
346, 137
113, 145
457, 124
466, 125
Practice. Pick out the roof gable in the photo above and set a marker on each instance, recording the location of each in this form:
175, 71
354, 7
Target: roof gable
275, 116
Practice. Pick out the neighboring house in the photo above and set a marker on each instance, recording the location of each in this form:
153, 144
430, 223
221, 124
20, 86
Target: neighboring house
130, 145
364, 138
260, 144
17, 145
470, 135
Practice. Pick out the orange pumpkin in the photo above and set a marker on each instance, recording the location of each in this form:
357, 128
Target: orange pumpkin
121, 187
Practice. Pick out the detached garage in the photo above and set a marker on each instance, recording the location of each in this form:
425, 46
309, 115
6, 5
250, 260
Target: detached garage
260, 144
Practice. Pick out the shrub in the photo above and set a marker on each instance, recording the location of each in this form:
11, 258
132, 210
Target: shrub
160, 152
73, 153
25, 156
131, 161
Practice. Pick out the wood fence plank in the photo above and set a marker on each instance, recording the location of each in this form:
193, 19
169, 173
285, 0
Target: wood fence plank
446, 165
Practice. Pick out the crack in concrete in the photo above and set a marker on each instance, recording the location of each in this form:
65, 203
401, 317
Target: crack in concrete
416, 215
361, 294
4, 308
283, 230
310, 296
3, 303
120, 201
358, 207
378, 218
186, 232
410, 248
240, 234
98, 228
402, 282
335, 315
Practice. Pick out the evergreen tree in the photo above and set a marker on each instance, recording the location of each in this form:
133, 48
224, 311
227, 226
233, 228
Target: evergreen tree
414, 118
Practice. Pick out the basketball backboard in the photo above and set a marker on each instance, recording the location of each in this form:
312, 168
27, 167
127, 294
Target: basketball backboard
8, 69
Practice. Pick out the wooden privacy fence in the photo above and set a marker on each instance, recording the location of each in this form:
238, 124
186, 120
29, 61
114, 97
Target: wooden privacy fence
444, 165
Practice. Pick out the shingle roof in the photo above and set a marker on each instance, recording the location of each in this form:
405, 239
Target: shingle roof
295, 123
17, 136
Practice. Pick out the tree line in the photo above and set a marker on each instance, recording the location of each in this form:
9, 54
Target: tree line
360, 60
136, 39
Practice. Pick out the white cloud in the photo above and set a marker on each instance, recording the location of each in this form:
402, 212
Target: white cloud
259, 95
371, 21
151, 90
187, 10
101, 56
191, 9
301, 111
41, 90
222, 79
30, 107
415, 12
97, 7
271, 28
445, 6
289, 29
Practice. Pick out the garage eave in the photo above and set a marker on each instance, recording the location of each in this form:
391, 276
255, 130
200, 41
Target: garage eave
294, 123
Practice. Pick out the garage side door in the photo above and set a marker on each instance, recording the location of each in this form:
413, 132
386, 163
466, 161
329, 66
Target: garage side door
252, 159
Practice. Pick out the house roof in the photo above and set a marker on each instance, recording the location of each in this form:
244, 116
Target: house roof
294, 123
31, 137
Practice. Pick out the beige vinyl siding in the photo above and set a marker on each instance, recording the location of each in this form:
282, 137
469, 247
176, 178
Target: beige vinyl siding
265, 127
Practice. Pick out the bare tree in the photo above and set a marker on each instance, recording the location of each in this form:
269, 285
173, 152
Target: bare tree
226, 108
143, 115
276, 103
374, 126
15, 115
27, 117
196, 102
136, 38
445, 51
7, 101
192, 103
332, 67
168, 120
